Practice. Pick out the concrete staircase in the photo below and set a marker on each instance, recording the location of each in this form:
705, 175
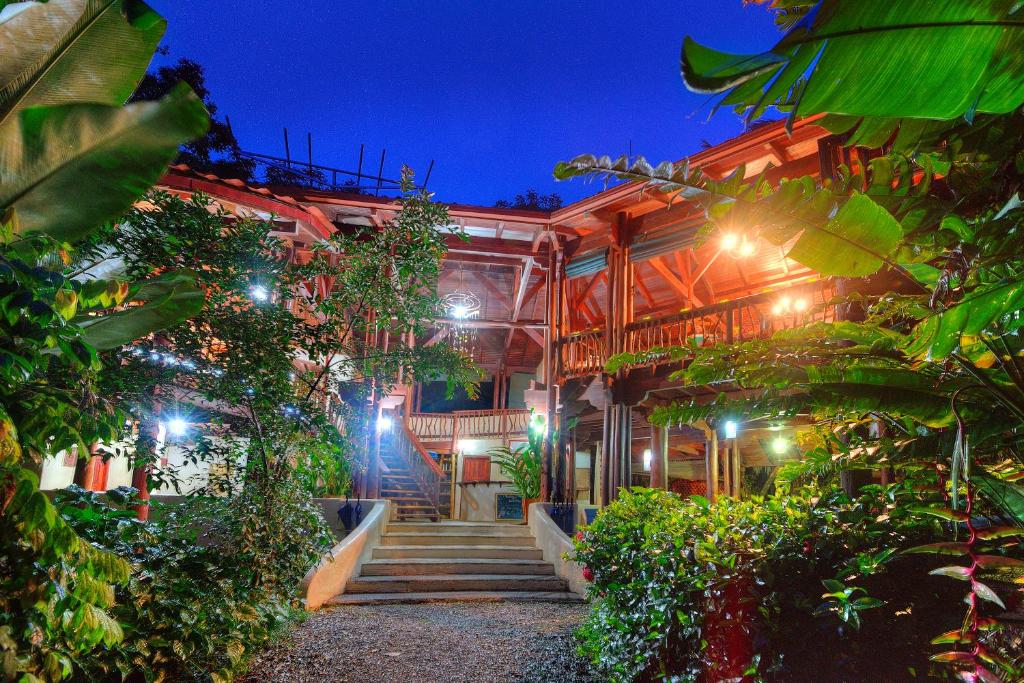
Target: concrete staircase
424, 562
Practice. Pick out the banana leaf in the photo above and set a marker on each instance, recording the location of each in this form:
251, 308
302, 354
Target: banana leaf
1005, 495
68, 169
940, 59
152, 305
68, 51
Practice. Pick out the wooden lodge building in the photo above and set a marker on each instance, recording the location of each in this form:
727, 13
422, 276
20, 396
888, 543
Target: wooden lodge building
558, 294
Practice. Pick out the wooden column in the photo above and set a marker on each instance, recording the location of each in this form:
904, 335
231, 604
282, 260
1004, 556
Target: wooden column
727, 467
593, 474
737, 469
659, 457
146, 444
711, 462
618, 314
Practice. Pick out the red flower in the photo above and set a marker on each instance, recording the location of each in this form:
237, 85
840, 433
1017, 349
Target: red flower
579, 536
588, 574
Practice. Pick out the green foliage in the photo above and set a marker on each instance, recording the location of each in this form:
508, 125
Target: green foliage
187, 611
71, 158
929, 384
676, 581
523, 463
818, 65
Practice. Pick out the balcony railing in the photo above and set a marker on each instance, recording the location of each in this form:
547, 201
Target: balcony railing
469, 424
753, 317
427, 473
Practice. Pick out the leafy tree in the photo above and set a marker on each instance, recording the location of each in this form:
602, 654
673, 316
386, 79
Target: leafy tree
217, 151
930, 382
282, 352
532, 200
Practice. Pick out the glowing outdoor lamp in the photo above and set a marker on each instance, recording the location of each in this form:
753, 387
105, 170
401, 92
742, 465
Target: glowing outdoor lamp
729, 241
747, 248
259, 293
384, 423
648, 457
731, 429
177, 426
460, 311
800, 305
780, 445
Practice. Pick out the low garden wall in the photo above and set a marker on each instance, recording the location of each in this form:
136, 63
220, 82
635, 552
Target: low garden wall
343, 561
555, 546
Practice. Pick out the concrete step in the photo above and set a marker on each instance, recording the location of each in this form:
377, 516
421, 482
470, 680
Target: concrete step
454, 596
452, 528
483, 552
440, 583
434, 565
413, 538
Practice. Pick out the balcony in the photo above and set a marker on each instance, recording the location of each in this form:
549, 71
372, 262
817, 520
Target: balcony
754, 317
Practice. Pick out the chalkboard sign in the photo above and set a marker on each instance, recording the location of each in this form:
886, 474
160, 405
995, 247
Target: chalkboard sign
508, 507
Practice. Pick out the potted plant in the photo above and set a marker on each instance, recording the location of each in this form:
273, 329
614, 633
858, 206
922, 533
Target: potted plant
523, 464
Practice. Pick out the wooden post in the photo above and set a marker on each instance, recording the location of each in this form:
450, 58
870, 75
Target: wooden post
659, 457
713, 467
593, 473
739, 469
727, 469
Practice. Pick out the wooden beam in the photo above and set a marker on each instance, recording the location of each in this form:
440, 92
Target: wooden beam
674, 281
532, 291
521, 286
438, 336
590, 286
642, 286
490, 246
482, 324
498, 229
501, 296
535, 336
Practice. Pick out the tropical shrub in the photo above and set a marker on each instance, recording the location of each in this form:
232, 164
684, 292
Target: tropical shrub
689, 590
523, 463
187, 612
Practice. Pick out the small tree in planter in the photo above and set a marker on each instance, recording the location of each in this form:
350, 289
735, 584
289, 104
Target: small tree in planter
523, 463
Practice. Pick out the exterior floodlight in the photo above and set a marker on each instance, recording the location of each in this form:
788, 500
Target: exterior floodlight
384, 423
460, 312
539, 424
648, 456
177, 426
729, 241
731, 428
780, 445
259, 293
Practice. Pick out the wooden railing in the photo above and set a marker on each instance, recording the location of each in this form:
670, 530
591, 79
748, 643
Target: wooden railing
469, 424
753, 317
427, 473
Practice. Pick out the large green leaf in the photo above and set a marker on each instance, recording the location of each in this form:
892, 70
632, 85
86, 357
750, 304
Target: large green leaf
939, 59
940, 334
68, 51
1006, 495
152, 305
858, 241
73, 167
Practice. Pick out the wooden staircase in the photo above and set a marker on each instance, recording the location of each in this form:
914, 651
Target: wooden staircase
402, 482
425, 562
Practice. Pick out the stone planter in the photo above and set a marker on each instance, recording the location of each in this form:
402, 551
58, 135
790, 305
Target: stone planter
527, 502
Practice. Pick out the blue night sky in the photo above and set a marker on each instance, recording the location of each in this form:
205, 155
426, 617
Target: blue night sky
495, 92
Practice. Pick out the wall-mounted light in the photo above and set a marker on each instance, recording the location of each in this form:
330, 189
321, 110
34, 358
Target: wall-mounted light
786, 304
648, 457
384, 424
780, 445
731, 429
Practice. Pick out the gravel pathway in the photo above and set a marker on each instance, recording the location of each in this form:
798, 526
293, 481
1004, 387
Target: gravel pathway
434, 642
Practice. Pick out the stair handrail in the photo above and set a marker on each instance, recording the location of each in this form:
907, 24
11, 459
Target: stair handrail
428, 474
